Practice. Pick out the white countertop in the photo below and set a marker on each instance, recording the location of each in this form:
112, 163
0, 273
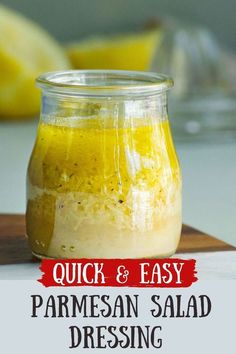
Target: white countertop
209, 175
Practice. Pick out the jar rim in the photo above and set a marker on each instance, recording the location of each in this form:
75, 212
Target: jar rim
104, 82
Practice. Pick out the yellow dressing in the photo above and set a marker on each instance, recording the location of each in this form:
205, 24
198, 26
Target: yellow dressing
103, 188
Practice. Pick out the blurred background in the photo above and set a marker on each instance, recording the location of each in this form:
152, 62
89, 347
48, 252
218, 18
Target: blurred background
193, 41
73, 19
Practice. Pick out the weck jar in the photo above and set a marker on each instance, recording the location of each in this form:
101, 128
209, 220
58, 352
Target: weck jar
103, 179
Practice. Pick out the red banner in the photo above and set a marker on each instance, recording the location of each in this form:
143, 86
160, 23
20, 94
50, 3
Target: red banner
164, 273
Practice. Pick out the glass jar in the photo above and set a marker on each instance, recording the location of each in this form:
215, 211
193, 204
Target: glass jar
103, 179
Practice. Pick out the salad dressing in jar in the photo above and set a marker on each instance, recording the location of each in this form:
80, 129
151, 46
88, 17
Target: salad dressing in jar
103, 179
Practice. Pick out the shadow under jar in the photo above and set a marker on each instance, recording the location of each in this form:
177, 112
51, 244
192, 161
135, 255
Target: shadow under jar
103, 179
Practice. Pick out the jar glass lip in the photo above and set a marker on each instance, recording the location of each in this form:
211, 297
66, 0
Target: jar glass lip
104, 82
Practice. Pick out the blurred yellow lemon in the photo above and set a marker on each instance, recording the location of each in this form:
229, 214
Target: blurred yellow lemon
122, 52
26, 50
